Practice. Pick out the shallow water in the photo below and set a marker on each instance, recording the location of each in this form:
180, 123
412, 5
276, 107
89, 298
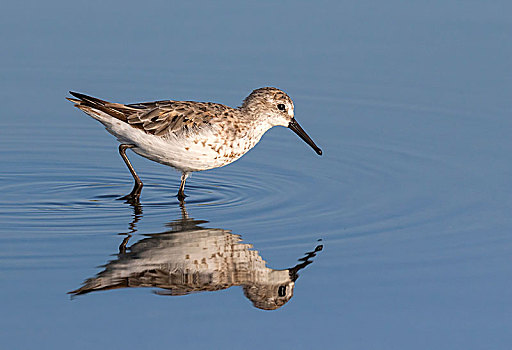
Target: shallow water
410, 201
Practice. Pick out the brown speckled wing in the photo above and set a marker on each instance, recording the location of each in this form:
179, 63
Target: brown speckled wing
159, 117
163, 117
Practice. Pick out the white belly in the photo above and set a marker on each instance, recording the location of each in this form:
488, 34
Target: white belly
193, 152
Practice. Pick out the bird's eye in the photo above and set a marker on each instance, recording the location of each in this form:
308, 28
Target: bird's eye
281, 291
281, 107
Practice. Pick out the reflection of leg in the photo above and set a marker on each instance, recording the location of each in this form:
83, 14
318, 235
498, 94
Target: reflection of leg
122, 246
184, 213
137, 187
137, 215
181, 192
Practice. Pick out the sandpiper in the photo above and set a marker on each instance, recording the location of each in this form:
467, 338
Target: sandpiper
191, 136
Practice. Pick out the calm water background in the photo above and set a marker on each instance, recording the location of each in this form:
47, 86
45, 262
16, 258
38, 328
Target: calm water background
411, 103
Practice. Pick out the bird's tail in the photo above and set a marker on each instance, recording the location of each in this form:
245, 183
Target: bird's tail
99, 109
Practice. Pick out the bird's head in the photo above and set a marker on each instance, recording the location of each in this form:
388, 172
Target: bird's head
275, 107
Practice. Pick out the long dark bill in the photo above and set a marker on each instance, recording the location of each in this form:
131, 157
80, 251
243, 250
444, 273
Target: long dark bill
295, 127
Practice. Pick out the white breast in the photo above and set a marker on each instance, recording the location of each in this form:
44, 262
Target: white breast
207, 149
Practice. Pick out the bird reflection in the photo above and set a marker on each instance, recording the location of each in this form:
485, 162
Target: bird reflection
188, 258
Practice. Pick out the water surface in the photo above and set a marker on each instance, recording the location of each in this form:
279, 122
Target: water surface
411, 199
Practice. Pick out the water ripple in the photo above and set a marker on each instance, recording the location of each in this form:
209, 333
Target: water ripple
363, 189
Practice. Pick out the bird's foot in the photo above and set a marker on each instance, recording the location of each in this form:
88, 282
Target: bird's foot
181, 196
132, 198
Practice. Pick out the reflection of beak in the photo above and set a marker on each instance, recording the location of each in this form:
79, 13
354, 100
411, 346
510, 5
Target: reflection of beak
294, 271
302, 134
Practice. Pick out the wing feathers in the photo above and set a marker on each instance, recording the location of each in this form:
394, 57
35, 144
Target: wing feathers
158, 118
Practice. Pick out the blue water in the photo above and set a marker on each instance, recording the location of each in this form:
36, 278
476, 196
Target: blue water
411, 200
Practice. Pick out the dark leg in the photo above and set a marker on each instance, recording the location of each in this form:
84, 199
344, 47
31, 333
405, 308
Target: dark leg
137, 187
181, 193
